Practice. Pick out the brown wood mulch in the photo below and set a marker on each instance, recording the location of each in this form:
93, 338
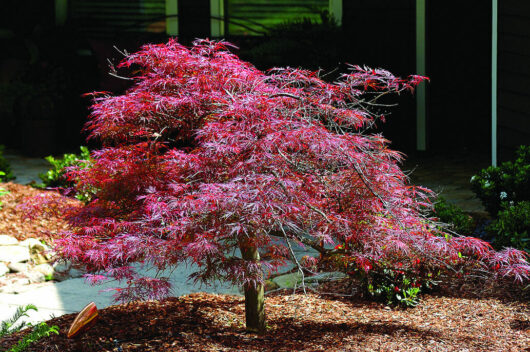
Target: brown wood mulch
300, 322
13, 220
296, 322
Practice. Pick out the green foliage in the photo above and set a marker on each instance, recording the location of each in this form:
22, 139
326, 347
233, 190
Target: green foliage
455, 217
512, 226
505, 192
5, 168
397, 287
2, 191
56, 176
509, 182
39, 331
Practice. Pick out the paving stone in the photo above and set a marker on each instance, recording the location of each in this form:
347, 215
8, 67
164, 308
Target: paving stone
45, 269
14, 254
18, 267
36, 277
3, 269
34, 244
6, 240
65, 270
18, 286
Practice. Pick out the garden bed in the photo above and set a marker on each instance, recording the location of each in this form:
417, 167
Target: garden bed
300, 322
207, 322
14, 220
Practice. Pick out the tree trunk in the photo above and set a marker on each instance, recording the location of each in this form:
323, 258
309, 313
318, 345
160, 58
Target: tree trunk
254, 295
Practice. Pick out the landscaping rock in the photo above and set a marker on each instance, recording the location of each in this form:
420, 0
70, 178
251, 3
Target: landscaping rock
271, 286
6, 240
34, 244
35, 277
323, 277
45, 269
289, 280
18, 267
3, 269
14, 254
65, 270
39, 258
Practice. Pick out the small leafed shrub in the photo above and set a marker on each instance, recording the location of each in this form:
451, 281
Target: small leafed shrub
397, 287
56, 176
5, 168
2, 191
395, 284
452, 215
512, 226
13, 325
509, 182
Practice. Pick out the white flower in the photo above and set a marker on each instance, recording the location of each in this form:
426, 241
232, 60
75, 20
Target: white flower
503, 195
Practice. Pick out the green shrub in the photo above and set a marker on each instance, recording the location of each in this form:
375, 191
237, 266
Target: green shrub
5, 168
509, 182
55, 177
455, 217
397, 287
2, 191
39, 331
512, 226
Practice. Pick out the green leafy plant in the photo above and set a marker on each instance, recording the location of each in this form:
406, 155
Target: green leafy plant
509, 182
512, 226
13, 325
452, 215
2, 192
397, 287
5, 168
56, 176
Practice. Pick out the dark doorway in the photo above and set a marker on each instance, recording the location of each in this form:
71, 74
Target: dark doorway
459, 66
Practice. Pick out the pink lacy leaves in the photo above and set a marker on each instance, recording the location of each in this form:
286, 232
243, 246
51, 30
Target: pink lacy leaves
205, 151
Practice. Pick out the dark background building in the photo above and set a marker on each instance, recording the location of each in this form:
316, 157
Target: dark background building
54, 51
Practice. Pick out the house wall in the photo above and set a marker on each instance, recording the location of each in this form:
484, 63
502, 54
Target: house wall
459, 67
458, 36
194, 19
381, 33
112, 19
513, 76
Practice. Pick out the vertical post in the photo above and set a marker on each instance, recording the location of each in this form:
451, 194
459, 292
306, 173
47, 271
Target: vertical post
421, 110
172, 24
494, 34
335, 10
217, 23
61, 12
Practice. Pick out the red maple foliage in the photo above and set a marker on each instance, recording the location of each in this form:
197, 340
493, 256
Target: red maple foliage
206, 155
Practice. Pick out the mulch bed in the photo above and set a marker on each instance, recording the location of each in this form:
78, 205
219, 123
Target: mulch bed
452, 321
300, 322
13, 220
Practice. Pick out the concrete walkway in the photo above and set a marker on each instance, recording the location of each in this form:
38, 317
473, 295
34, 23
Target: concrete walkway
70, 296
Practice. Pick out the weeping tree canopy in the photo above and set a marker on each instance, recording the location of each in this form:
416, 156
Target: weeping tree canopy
208, 160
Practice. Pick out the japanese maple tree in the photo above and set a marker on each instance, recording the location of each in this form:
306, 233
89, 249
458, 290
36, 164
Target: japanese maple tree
208, 160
